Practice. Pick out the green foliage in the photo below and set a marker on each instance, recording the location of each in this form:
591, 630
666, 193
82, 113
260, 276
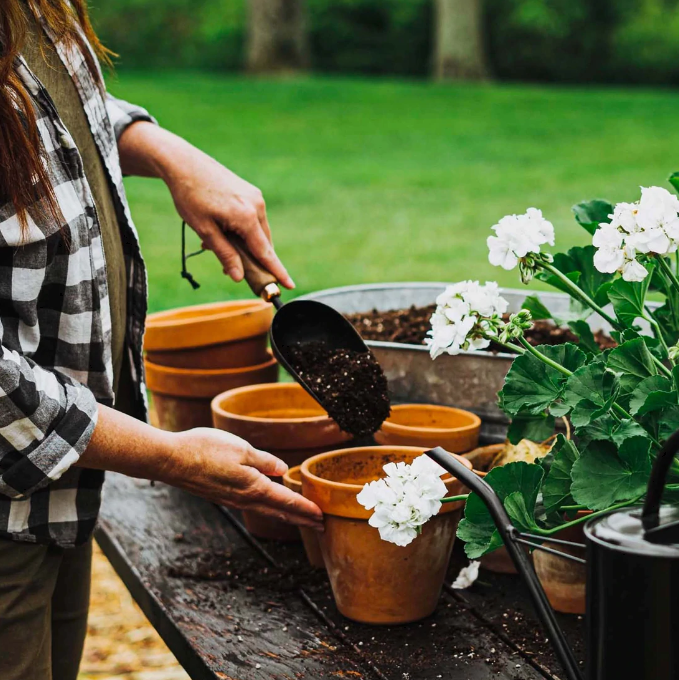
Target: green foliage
556, 490
546, 40
531, 387
537, 428
590, 393
517, 485
590, 214
605, 474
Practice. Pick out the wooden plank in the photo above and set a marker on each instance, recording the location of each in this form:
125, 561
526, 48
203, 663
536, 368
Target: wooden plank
216, 628
227, 613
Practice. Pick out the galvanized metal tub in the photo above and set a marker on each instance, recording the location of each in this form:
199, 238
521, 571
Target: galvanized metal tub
469, 380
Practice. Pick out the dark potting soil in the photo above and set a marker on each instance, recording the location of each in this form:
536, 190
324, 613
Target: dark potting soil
350, 385
411, 326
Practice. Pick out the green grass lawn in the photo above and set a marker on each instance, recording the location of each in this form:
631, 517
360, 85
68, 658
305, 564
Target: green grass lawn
371, 181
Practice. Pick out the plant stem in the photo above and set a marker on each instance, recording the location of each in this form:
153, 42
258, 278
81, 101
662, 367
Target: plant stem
535, 352
657, 331
668, 270
508, 345
580, 520
579, 293
455, 499
573, 507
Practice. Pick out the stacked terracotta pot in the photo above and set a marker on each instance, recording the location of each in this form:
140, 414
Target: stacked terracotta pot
194, 353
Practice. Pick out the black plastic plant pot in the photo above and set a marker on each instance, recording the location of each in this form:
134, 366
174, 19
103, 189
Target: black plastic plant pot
632, 580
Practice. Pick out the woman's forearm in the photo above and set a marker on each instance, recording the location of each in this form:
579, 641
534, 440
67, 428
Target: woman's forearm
215, 465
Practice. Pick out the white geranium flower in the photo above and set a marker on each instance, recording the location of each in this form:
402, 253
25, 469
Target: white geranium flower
518, 235
607, 236
467, 576
609, 260
633, 270
408, 497
649, 226
466, 314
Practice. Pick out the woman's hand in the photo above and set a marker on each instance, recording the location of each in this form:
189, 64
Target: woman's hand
210, 198
226, 470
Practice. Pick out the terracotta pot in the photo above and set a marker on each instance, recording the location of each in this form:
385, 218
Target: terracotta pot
219, 335
427, 425
284, 420
293, 480
181, 397
374, 581
499, 561
563, 580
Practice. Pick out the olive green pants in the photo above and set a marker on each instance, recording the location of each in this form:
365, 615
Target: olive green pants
44, 598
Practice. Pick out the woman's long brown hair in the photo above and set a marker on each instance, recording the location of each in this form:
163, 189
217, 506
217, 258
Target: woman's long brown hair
24, 179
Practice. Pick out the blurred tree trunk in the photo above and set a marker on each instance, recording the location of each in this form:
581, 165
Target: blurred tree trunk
458, 40
277, 37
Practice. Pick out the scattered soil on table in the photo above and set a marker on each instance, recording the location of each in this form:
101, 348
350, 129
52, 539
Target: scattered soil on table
350, 385
411, 326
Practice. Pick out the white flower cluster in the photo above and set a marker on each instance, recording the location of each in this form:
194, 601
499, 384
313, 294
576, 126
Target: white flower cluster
518, 235
466, 314
651, 225
405, 499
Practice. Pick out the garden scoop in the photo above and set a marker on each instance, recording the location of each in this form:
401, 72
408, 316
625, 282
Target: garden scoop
298, 322
632, 579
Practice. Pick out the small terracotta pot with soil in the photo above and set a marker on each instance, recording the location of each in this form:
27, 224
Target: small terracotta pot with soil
293, 480
284, 420
219, 335
563, 580
428, 425
182, 397
374, 581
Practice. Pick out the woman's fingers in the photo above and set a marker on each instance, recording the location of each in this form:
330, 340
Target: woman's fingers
214, 239
275, 498
265, 462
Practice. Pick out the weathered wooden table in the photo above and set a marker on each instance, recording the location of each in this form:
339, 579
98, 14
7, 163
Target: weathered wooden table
231, 608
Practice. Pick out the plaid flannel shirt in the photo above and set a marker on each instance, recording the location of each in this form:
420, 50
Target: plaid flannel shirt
55, 324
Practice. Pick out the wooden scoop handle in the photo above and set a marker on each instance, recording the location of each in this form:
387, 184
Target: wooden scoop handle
262, 282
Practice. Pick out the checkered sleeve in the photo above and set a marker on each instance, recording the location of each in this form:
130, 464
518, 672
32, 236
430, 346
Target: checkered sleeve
122, 114
46, 422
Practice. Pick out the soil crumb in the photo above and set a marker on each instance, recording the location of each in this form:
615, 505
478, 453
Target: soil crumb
410, 326
350, 385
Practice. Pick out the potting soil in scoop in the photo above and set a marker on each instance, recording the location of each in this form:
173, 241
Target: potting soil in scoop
350, 385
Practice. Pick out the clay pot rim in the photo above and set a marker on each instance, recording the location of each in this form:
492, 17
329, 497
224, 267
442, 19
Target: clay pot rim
207, 372
293, 478
156, 338
224, 413
345, 486
416, 429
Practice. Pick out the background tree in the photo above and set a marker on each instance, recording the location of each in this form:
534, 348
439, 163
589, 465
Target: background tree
458, 40
277, 36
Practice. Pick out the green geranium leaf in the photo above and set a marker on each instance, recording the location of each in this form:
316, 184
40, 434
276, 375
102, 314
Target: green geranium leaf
653, 394
633, 362
585, 336
590, 214
556, 489
537, 428
477, 529
674, 180
537, 309
520, 514
555, 281
531, 387
609, 429
590, 392
604, 474
628, 299
668, 424
591, 280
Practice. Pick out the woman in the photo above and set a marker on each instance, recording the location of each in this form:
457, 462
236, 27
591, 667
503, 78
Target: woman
72, 307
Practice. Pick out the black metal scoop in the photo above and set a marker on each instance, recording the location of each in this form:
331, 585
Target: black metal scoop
298, 322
